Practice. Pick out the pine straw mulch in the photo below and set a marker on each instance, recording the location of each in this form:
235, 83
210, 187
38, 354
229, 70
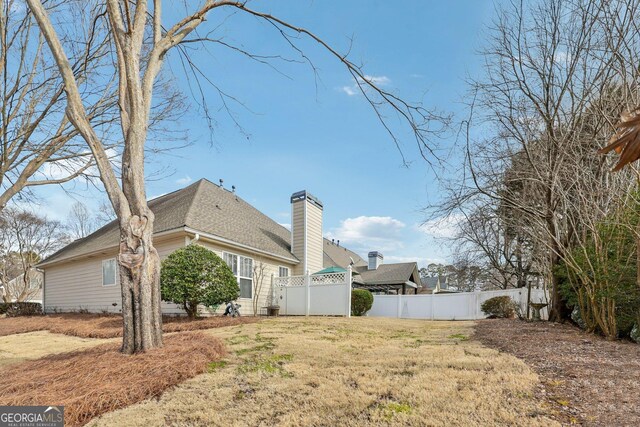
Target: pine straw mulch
106, 325
101, 379
585, 379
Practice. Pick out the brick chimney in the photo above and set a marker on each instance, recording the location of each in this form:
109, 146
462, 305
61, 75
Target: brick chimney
306, 232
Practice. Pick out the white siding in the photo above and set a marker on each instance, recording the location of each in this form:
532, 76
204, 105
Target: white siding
77, 285
270, 268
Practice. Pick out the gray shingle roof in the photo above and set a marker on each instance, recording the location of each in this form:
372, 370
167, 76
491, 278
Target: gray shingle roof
205, 207
339, 256
388, 274
432, 282
208, 208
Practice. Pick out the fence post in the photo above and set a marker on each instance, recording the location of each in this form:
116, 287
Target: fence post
476, 303
433, 297
399, 305
348, 280
307, 285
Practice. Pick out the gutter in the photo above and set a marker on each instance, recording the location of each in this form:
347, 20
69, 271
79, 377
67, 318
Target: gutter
239, 245
196, 234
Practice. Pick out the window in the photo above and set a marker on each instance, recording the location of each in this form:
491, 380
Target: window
283, 271
109, 272
242, 268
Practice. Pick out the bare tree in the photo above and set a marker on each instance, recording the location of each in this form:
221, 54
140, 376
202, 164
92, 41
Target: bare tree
259, 272
138, 64
80, 221
26, 239
557, 74
38, 144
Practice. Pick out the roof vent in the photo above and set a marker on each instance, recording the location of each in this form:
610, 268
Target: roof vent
221, 182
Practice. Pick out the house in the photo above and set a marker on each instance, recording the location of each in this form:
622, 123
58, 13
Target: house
377, 277
83, 275
30, 293
436, 285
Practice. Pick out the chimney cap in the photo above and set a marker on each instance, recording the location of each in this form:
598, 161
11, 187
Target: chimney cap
305, 195
374, 254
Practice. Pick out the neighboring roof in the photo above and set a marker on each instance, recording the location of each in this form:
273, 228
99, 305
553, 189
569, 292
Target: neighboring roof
339, 256
432, 282
389, 274
202, 206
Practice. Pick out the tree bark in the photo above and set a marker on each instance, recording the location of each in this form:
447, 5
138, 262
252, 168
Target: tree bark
139, 276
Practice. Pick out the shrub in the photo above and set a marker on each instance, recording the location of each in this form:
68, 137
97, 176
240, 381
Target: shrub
361, 301
15, 309
194, 275
499, 307
599, 282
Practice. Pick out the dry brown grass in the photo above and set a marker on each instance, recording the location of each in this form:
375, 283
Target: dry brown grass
101, 379
34, 345
104, 325
349, 372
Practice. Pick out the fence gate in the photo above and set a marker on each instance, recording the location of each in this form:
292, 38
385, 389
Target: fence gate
313, 294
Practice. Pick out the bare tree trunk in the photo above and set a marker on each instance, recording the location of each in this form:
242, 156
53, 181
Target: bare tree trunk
139, 276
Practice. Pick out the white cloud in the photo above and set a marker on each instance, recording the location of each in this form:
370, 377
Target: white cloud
562, 57
353, 89
286, 225
184, 180
377, 80
442, 228
370, 233
64, 168
350, 90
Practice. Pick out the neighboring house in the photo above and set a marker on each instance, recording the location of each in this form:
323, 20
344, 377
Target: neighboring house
83, 275
436, 285
379, 278
16, 285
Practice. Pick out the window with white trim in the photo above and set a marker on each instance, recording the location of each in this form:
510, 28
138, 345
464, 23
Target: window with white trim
283, 271
242, 268
109, 272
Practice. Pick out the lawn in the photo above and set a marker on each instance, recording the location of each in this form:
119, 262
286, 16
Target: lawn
34, 345
350, 372
285, 371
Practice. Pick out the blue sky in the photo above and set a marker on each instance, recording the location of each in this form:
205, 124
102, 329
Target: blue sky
323, 138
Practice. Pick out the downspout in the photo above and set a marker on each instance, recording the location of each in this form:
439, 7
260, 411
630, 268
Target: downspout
44, 286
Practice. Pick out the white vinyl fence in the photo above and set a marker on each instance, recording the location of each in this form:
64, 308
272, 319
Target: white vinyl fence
316, 295
455, 306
